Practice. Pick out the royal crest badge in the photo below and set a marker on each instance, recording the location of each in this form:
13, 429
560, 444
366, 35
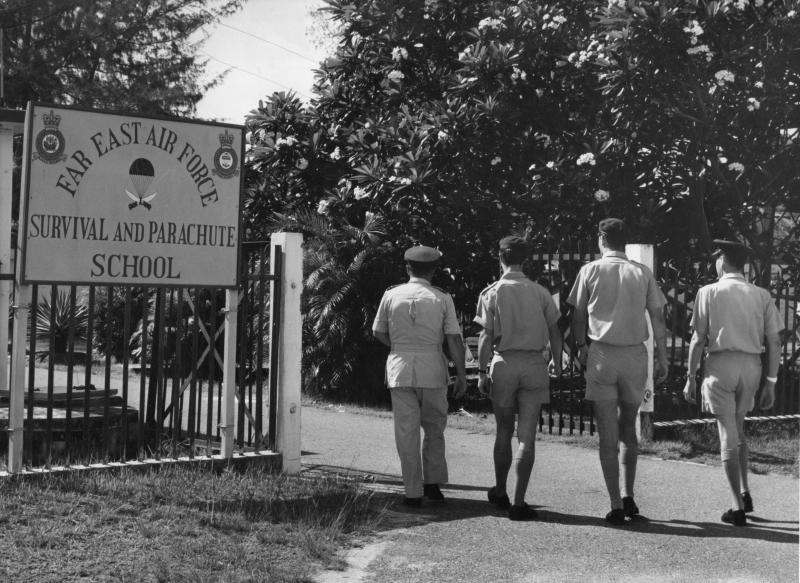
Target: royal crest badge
226, 161
50, 141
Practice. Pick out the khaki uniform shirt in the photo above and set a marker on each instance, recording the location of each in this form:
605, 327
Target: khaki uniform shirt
616, 292
518, 312
735, 315
416, 316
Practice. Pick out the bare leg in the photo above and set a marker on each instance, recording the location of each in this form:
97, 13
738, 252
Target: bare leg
743, 453
629, 445
729, 452
605, 413
504, 418
526, 451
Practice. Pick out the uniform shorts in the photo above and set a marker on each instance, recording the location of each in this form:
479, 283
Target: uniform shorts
519, 376
616, 372
730, 381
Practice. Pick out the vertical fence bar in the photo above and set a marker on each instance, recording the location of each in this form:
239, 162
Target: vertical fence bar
70, 366
126, 334
107, 376
87, 373
263, 266
275, 299
177, 367
51, 350
212, 333
32, 372
158, 347
192, 422
144, 300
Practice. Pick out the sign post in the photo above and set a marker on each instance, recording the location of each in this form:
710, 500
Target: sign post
120, 199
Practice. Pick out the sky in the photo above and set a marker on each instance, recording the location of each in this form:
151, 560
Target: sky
267, 49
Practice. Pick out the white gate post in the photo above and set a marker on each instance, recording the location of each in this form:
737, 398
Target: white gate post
290, 346
7, 130
229, 372
645, 254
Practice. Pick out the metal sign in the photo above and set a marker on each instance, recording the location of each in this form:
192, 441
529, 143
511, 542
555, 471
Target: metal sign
128, 200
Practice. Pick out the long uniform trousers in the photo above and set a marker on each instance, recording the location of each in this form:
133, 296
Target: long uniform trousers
413, 407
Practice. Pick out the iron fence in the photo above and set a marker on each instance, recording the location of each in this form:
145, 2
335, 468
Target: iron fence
121, 373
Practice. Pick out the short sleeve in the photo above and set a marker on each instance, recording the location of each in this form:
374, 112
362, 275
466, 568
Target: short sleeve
381, 322
655, 298
484, 315
699, 321
451, 325
551, 311
772, 318
579, 296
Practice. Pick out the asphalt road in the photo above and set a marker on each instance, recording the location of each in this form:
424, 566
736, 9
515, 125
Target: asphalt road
679, 538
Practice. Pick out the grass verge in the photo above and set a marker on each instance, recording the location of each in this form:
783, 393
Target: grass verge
179, 524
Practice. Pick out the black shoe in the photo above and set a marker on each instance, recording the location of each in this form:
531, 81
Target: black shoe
629, 506
616, 516
499, 500
735, 517
523, 512
412, 502
432, 492
748, 502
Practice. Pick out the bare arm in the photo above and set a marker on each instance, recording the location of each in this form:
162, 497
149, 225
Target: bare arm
556, 346
383, 338
455, 347
660, 337
580, 319
695, 352
773, 344
485, 352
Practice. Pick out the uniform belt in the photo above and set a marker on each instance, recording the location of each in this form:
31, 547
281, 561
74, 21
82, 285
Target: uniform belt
416, 347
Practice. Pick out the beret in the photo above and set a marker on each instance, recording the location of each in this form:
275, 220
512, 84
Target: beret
730, 247
422, 254
615, 226
513, 242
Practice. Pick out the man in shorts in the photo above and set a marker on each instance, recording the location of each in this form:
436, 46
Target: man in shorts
735, 320
414, 320
518, 317
612, 295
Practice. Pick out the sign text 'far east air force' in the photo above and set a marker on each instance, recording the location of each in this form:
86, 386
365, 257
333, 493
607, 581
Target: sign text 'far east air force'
122, 199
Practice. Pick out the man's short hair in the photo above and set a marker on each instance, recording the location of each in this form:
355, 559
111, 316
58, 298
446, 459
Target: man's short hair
614, 231
421, 269
735, 253
513, 250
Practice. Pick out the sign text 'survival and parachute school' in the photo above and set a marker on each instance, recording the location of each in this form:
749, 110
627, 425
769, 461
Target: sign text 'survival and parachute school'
120, 199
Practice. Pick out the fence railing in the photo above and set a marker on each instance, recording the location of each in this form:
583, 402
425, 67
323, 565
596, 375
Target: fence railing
119, 373
569, 412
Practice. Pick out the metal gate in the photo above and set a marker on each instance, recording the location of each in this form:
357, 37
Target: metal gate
122, 373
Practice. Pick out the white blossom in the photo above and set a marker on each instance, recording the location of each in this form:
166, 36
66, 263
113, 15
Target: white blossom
369, 217
336, 154
587, 158
465, 54
694, 28
601, 195
736, 167
701, 49
287, 141
724, 76
302, 164
518, 74
753, 104
758, 85
360, 192
791, 14
323, 207
355, 39
442, 136
551, 165
399, 53
489, 22
496, 160
740, 4
616, 3
759, 3
396, 76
